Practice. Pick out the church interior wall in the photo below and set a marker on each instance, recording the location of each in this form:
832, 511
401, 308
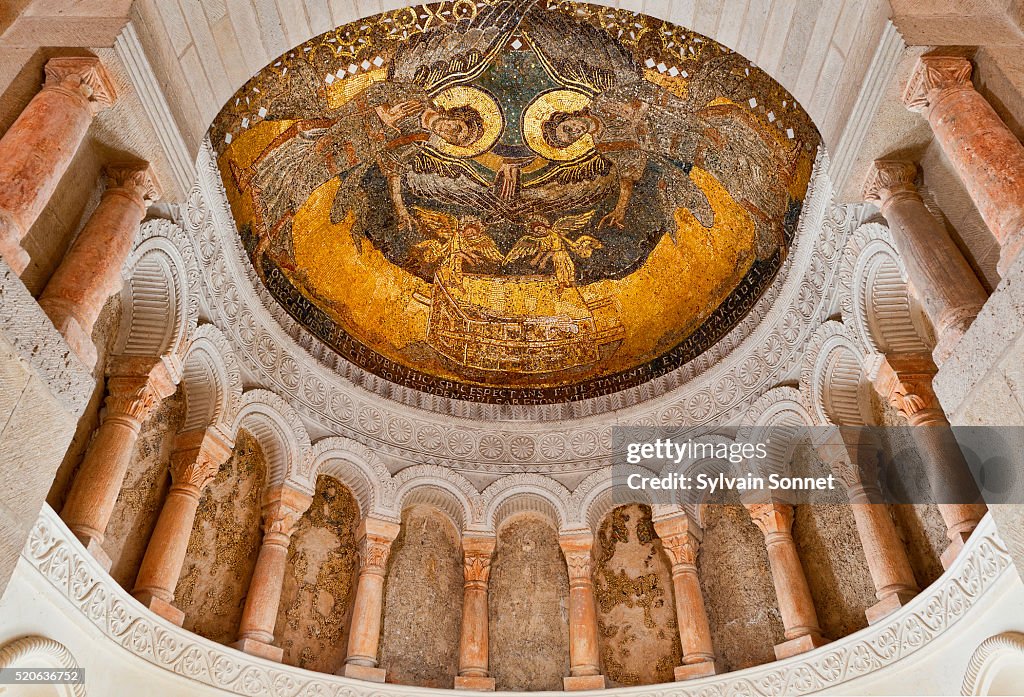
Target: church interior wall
423, 601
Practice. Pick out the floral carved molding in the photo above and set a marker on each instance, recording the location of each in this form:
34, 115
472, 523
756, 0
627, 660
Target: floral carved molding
410, 426
63, 563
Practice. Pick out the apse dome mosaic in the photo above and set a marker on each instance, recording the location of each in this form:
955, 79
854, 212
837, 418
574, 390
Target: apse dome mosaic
515, 202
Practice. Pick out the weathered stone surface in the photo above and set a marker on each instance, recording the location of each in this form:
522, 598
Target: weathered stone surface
737, 585
528, 608
635, 604
320, 581
222, 549
423, 602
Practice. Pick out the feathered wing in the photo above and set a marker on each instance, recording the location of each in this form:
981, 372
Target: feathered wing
431, 252
526, 247
569, 224
436, 223
484, 247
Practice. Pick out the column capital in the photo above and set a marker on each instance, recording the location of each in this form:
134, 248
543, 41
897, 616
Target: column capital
772, 518
934, 74
905, 381
197, 456
84, 76
282, 509
852, 455
136, 179
136, 393
680, 538
477, 553
890, 178
576, 548
375, 537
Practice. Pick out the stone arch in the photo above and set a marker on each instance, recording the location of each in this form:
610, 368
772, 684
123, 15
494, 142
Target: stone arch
358, 468
281, 435
879, 305
832, 377
440, 488
996, 666
594, 498
40, 652
526, 493
211, 381
159, 297
780, 421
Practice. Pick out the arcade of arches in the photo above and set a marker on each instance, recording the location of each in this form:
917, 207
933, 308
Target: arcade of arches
320, 323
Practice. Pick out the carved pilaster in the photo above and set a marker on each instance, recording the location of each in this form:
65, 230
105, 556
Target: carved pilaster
933, 75
84, 77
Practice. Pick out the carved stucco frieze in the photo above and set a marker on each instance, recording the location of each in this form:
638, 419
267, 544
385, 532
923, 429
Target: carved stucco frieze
408, 426
88, 593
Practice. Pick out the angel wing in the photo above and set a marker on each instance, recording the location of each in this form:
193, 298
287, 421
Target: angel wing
527, 246
569, 224
436, 223
484, 247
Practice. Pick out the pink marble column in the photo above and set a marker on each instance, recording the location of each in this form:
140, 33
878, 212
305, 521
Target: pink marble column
282, 509
135, 389
37, 149
375, 538
194, 463
983, 151
905, 381
584, 650
473, 645
680, 540
91, 270
950, 292
799, 618
856, 465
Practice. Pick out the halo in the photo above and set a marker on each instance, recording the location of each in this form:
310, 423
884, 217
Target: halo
540, 110
490, 113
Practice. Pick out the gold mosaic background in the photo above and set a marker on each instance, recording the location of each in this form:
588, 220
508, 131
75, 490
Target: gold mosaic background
518, 202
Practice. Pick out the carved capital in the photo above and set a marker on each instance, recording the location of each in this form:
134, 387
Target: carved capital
84, 76
197, 457
576, 549
476, 557
934, 74
375, 538
135, 179
680, 538
283, 507
852, 455
889, 179
134, 395
905, 381
772, 518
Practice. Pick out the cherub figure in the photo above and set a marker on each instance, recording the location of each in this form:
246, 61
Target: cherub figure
548, 243
458, 243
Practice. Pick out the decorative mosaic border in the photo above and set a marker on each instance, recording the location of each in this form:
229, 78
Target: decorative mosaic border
63, 563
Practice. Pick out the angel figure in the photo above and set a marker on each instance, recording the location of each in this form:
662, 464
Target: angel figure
547, 243
457, 243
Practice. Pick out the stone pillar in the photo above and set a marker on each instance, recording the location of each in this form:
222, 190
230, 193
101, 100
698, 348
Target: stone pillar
680, 539
37, 149
905, 381
375, 538
855, 463
194, 463
135, 389
983, 151
950, 292
282, 509
473, 646
775, 520
584, 651
91, 270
